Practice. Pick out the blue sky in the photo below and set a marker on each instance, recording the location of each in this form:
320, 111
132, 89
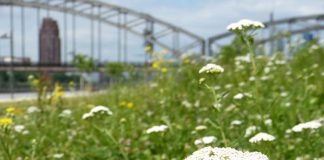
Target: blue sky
203, 17
208, 17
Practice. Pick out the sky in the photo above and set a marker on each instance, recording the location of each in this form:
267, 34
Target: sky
209, 17
202, 17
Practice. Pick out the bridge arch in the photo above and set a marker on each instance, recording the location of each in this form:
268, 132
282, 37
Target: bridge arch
285, 21
134, 22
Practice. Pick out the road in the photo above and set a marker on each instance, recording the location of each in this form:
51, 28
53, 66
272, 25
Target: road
6, 97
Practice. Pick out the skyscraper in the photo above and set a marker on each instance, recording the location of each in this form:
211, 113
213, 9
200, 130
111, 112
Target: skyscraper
49, 42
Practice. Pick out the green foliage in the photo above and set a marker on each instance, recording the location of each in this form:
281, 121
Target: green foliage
116, 70
83, 63
229, 52
285, 91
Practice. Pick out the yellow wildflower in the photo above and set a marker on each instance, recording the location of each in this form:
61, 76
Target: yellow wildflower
186, 61
10, 110
90, 106
5, 121
164, 70
57, 94
156, 64
58, 90
123, 103
163, 52
71, 83
130, 105
35, 82
148, 49
71, 86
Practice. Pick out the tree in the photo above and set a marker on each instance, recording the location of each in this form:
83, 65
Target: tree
84, 64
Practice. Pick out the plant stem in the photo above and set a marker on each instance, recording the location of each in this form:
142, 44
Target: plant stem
251, 52
221, 130
6, 149
117, 144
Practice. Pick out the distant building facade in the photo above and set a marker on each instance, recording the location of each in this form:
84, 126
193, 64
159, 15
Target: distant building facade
49, 42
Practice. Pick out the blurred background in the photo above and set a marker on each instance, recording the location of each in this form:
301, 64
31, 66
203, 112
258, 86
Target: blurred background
86, 44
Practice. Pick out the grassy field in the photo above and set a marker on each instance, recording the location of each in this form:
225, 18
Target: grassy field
227, 108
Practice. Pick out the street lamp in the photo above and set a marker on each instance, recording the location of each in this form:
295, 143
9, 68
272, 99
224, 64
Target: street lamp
10, 72
3, 37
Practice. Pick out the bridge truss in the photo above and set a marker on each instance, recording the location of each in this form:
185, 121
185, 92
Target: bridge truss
152, 30
305, 24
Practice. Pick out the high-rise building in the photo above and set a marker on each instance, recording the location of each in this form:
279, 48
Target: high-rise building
49, 42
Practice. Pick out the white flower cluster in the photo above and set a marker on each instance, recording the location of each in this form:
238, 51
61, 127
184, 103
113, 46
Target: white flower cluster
21, 129
245, 24
262, 137
98, 110
250, 130
33, 109
65, 113
241, 96
238, 96
211, 68
209, 153
205, 140
155, 129
200, 128
236, 123
58, 156
308, 125
245, 58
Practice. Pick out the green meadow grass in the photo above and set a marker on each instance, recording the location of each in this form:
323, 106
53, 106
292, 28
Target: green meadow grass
285, 91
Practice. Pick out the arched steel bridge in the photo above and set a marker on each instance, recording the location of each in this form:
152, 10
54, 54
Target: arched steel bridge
314, 25
144, 25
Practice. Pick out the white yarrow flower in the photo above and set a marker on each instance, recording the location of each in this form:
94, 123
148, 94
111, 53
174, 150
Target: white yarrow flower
201, 127
245, 24
236, 123
33, 109
205, 140
228, 86
186, 104
268, 122
239, 96
209, 153
322, 73
245, 58
87, 115
58, 156
261, 137
25, 132
283, 94
308, 125
101, 110
66, 113
201, 80
252, 79
250, 130
156, 129
211, 68
19, 128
